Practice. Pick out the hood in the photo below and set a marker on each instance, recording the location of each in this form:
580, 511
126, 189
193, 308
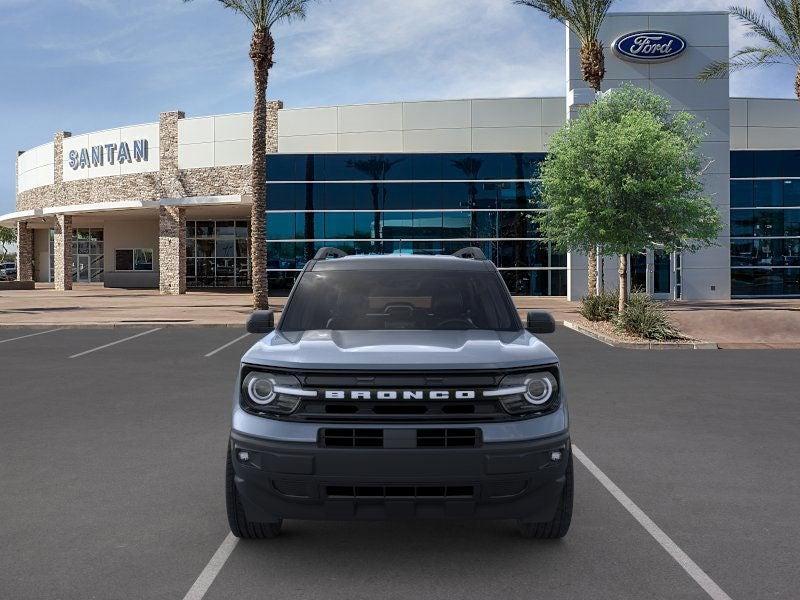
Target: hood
401, 350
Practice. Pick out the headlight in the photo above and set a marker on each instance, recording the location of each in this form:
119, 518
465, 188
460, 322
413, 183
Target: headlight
271, 392
528, 392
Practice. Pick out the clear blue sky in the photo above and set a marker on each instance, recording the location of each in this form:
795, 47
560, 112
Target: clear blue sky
84, 65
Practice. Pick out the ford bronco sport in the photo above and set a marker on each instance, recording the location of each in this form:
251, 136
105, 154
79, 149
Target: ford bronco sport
399, 387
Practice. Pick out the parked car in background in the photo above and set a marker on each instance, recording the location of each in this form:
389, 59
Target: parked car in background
8, 271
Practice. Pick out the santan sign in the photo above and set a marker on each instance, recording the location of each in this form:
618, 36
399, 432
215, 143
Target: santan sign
649, 46
97, 156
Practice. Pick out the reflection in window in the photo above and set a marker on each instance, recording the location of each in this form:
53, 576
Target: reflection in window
218, 252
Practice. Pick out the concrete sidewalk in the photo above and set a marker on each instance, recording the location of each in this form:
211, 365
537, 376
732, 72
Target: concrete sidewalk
735, 324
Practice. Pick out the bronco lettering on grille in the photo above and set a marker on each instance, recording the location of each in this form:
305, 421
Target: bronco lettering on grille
399, 394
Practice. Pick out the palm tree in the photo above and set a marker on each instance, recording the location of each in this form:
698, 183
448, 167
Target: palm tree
263, 15
780, 41
584, 19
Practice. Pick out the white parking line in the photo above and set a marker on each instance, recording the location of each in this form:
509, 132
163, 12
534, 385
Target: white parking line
115, 343
231, 343
695, 572
22, 337
214, 566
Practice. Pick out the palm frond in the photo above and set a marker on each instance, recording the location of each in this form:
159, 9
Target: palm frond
583, 17
787, 14
745, 58
759, 26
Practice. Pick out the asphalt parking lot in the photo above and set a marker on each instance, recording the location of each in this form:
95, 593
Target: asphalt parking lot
112, 470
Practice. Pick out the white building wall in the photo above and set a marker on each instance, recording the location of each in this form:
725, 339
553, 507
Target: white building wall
481, 125
215, 141
706, 275
35, 167
765, 124
87, 141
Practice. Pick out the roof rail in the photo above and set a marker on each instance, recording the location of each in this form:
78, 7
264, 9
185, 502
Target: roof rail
329, 252
471, 252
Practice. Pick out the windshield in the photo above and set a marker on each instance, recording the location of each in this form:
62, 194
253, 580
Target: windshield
400, 300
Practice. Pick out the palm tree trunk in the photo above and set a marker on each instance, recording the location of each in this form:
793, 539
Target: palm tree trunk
593, 67
593, 70
797, 84
623, 282
261, 52
592, 273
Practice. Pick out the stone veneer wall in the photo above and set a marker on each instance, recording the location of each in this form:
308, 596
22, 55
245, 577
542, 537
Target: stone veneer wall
172, 250
24, 252
169, 182
62, 251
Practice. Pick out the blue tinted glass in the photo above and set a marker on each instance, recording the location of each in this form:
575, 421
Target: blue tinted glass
485, 224
791, 222
791, 163
768, 163
426, 166
397, 225
281, 167
458, 224
367, 225
513, 224
428, 247
283, 196
765, 282
280, 226
426, 195
741, 194
529, 164
768, 222
742, 223
515, 195
768, 193
339, 196
339, 225
281, 255
367, 196
742, 164
398, 166
306, 225
527, 283
371, 167
339, 167
484, 195
427, 224
397, 196
791, 192
310, 196
368, 247
558, 282
310, 167
456, 195
557, 259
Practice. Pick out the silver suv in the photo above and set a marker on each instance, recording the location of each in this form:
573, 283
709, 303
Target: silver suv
399, 387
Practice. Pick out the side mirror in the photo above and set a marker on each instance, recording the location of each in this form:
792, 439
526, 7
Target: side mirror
261, 321
540, 322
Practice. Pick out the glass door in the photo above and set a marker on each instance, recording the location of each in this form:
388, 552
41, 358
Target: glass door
83, 269
662, 271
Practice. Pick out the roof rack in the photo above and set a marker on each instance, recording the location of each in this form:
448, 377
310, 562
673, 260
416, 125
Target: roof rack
329, 252
471, 252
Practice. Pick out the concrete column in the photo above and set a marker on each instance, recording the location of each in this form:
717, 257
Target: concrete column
24, 252
172, 250
62, 250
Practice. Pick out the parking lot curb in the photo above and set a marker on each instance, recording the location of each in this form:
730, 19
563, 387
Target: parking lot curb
640, 345
115, 325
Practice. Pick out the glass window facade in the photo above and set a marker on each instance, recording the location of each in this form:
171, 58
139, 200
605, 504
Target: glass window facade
765, 223
217, 254
410, 203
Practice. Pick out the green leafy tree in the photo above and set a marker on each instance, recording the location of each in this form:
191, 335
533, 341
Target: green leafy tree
584, 19
778, 40
263, 15
626, 174
7, 237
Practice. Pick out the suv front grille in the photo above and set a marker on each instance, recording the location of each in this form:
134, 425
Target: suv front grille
434, 492
399, 439
477, 409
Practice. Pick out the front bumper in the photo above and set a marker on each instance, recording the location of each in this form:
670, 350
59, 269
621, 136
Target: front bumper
514, 480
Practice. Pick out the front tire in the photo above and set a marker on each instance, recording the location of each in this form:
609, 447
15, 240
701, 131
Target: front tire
559, 526
239, 524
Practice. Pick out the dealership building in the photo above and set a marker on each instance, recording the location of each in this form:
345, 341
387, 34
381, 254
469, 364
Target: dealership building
167, 204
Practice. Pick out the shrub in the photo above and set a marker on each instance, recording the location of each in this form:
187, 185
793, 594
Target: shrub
644, 317
601, 307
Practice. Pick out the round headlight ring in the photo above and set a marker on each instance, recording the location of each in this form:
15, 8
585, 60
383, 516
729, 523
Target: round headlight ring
261, 390
538, 390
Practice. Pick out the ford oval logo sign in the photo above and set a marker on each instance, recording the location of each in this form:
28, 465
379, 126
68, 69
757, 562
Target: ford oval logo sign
649, 46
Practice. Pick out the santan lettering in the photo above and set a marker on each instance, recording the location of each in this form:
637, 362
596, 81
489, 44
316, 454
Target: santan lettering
97, 156
645, 44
